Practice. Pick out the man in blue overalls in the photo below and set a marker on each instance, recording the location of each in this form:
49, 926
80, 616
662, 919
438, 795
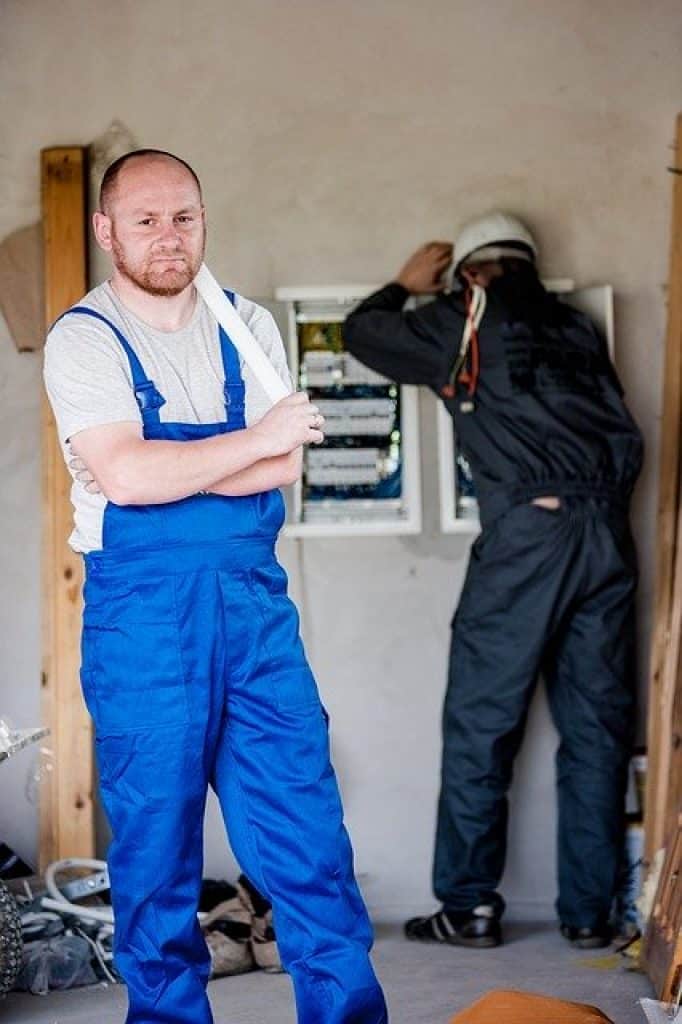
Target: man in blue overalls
192, 664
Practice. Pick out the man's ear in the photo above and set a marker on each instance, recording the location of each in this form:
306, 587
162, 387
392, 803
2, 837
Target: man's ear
101, 225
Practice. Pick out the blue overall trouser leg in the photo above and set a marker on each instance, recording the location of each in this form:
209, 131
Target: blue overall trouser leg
195, 675
212, 686
549, 592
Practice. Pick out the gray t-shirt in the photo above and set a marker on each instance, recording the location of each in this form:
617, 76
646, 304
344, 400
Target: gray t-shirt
89, 384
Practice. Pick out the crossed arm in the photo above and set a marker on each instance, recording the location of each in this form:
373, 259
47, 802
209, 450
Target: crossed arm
130, 470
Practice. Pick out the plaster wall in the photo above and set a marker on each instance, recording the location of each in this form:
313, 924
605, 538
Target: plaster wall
332, 139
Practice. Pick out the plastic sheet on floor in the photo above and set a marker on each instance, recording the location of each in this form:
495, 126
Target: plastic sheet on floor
661, 1013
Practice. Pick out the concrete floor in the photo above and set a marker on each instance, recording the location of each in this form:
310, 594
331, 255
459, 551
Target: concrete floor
423, 984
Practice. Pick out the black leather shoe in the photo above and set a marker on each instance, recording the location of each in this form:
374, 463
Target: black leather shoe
588, 938
478, 928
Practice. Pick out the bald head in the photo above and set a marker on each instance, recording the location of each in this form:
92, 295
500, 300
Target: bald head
138, 159
152, 222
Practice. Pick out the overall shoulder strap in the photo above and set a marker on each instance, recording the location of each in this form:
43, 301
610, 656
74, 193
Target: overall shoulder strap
234, 384
148, 398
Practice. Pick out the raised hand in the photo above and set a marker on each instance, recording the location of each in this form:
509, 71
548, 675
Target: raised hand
423, 272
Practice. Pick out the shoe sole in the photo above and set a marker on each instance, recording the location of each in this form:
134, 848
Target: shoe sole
483, 942
590, 943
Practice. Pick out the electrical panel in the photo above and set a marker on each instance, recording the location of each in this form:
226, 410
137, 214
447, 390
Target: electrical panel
458, 506
364, 478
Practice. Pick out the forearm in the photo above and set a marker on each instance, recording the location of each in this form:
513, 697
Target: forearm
265, 475
391, 298
391, 342
151, 472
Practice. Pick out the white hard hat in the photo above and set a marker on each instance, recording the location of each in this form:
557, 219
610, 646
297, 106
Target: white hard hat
499, 234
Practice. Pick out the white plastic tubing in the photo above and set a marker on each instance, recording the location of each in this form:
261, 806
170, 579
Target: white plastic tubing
239, 334
56, 899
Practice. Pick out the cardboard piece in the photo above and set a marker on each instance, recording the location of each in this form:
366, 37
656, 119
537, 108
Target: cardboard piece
21, 287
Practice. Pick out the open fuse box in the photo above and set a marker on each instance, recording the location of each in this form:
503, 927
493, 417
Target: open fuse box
364, 478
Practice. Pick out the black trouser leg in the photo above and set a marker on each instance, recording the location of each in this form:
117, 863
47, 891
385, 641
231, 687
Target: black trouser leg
590, 689
519, 584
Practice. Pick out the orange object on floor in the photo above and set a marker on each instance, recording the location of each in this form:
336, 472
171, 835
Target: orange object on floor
509, 1007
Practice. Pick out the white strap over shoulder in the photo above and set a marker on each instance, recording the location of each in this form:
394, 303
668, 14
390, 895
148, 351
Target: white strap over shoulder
474, 317
240, 335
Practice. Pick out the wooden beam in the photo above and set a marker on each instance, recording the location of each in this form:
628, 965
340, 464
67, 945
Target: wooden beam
663, 936
662, 677
66, 810
672, 686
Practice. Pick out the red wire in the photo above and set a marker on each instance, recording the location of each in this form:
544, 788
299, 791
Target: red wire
470, 377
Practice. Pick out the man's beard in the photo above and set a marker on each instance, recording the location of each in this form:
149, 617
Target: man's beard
148, 274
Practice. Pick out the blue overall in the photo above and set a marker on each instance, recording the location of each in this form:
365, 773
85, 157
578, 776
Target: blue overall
195, 674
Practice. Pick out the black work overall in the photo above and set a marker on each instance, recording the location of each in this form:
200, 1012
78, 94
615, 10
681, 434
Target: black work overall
547, 591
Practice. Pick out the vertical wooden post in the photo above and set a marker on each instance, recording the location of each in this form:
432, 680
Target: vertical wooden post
66, 811
663, 742
672, 676
663, 937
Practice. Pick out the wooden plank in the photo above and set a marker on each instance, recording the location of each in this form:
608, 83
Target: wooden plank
661, 682
672, 687
663, 936
66, 810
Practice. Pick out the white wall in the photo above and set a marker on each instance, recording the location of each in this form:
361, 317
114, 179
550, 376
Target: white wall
20, 384
331, 139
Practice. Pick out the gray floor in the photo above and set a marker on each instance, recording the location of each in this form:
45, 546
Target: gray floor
423, 984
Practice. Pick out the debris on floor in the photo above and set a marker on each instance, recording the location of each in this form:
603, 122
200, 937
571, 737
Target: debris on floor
64, 928
626, 957
661, 1013
263, 941
226, 924
57, 963
237, 925
602, 963
66, 943
10, 940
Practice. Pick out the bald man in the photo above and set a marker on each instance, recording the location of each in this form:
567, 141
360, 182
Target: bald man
192, 664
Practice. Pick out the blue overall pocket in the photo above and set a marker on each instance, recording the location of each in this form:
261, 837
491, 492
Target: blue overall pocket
134, 670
